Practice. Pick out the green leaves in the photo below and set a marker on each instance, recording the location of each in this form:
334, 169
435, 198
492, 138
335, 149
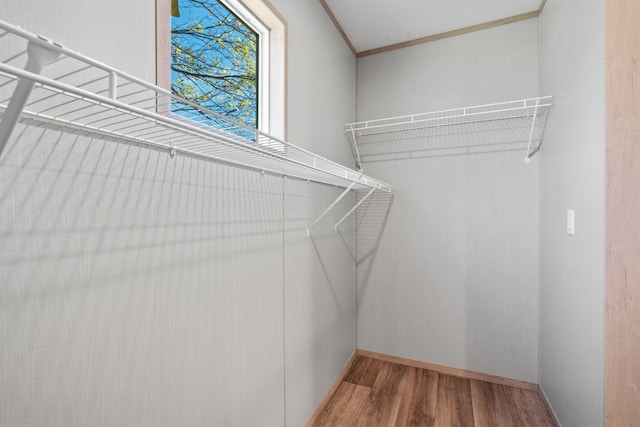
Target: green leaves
214, 60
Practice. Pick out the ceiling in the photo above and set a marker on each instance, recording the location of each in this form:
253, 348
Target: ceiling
372, 24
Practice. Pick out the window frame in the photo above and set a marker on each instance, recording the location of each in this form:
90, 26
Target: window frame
262, 59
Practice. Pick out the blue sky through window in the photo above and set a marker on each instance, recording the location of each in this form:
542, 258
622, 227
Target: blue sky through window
214, 61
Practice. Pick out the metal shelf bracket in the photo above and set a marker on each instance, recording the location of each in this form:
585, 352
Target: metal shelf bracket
38, 57
530, 153
331, 206
356, 152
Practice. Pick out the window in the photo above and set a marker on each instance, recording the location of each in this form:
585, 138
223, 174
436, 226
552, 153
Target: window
226, 55
214, 59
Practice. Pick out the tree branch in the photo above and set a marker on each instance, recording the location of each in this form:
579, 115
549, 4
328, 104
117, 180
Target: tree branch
211, 76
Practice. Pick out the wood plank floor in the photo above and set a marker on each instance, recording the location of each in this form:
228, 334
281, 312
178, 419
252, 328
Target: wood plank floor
381, 393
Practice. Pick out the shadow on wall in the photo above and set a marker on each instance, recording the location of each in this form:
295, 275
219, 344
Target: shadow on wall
319, 290
371, 219
137, 289
74, 197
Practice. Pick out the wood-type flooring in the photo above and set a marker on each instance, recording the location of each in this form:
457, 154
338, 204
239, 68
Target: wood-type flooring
381, 393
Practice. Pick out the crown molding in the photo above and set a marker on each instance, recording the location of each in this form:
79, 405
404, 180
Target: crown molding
431, 38
338, 26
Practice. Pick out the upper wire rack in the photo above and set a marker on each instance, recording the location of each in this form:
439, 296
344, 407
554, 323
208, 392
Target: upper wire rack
484, 128
80, 94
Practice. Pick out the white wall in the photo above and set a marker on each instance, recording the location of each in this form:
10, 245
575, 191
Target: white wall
572, 67
322, 79
455, 279
319, 272
139, 290
483, 67
319, 295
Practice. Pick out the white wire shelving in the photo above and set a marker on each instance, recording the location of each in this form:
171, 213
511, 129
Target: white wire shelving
43, 83
507, 125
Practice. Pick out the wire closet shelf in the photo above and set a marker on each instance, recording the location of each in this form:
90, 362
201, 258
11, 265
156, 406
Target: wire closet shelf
43, 83
511, 125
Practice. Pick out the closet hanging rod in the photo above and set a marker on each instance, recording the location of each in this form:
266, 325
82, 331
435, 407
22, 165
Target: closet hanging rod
90, 96
57, 125
171, 122
158, 118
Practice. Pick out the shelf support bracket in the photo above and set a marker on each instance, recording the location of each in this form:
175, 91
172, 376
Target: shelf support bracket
354, 208
357, 152
527, 159
39, 57
113, 85
331, 206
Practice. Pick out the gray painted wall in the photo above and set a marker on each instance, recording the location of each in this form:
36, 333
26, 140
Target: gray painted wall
319, 294
489, 66
319, 272
572, 67
322, 81
455, 279
139, 290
